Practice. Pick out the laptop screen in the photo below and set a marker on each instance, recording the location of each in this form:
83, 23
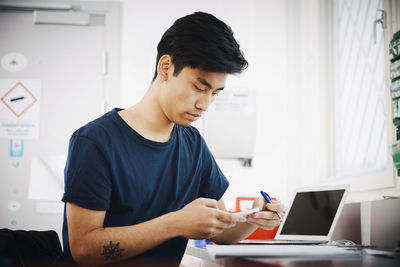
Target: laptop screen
312, 213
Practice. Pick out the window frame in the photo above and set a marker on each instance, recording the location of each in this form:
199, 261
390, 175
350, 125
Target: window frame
370, 180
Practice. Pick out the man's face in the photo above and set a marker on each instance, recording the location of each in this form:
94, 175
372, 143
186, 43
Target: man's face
187, 96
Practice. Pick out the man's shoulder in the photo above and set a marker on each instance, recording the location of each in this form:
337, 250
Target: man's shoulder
189, 131
98, 129
191, 137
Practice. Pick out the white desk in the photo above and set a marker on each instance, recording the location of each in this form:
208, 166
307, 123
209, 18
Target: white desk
199, 257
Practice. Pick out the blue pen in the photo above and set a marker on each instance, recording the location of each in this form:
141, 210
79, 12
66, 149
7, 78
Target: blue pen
268, 199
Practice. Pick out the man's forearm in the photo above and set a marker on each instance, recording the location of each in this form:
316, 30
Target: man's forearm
235, 234
106, 245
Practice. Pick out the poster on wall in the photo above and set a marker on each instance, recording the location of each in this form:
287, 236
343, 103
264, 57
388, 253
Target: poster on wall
19, 108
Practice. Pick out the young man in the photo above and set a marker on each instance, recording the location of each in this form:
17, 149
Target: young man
139, 182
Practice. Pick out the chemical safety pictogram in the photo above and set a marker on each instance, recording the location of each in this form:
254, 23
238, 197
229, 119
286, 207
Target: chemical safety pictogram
19, 99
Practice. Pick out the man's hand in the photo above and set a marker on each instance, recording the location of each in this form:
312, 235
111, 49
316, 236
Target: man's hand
202, 219
266, 218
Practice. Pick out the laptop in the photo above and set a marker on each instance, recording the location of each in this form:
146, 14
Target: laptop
311, 216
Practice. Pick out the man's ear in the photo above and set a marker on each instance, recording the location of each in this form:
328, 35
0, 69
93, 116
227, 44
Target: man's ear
165, 67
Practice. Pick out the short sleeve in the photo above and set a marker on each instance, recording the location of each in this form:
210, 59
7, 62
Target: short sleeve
214, 182
87, 175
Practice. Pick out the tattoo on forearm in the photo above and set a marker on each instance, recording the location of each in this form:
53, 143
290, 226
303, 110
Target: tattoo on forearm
112, 251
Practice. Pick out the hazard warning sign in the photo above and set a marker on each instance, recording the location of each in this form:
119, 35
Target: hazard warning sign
19, 108
19, 99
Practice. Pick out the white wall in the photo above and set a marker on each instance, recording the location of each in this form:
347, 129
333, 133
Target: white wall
269, 68
260, 28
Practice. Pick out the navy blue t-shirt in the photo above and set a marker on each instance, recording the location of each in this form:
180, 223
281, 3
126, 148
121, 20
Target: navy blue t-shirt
113, 168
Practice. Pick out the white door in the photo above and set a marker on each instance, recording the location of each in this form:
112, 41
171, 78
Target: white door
69, 64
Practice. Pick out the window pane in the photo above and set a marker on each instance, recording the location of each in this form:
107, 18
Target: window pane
359, 91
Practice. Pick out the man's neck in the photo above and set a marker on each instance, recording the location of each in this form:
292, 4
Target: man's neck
148, 119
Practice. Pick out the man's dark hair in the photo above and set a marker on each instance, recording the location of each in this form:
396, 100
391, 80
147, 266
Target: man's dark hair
202, 41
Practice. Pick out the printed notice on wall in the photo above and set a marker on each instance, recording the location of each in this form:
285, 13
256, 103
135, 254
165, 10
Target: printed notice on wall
234, 100
19, 108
